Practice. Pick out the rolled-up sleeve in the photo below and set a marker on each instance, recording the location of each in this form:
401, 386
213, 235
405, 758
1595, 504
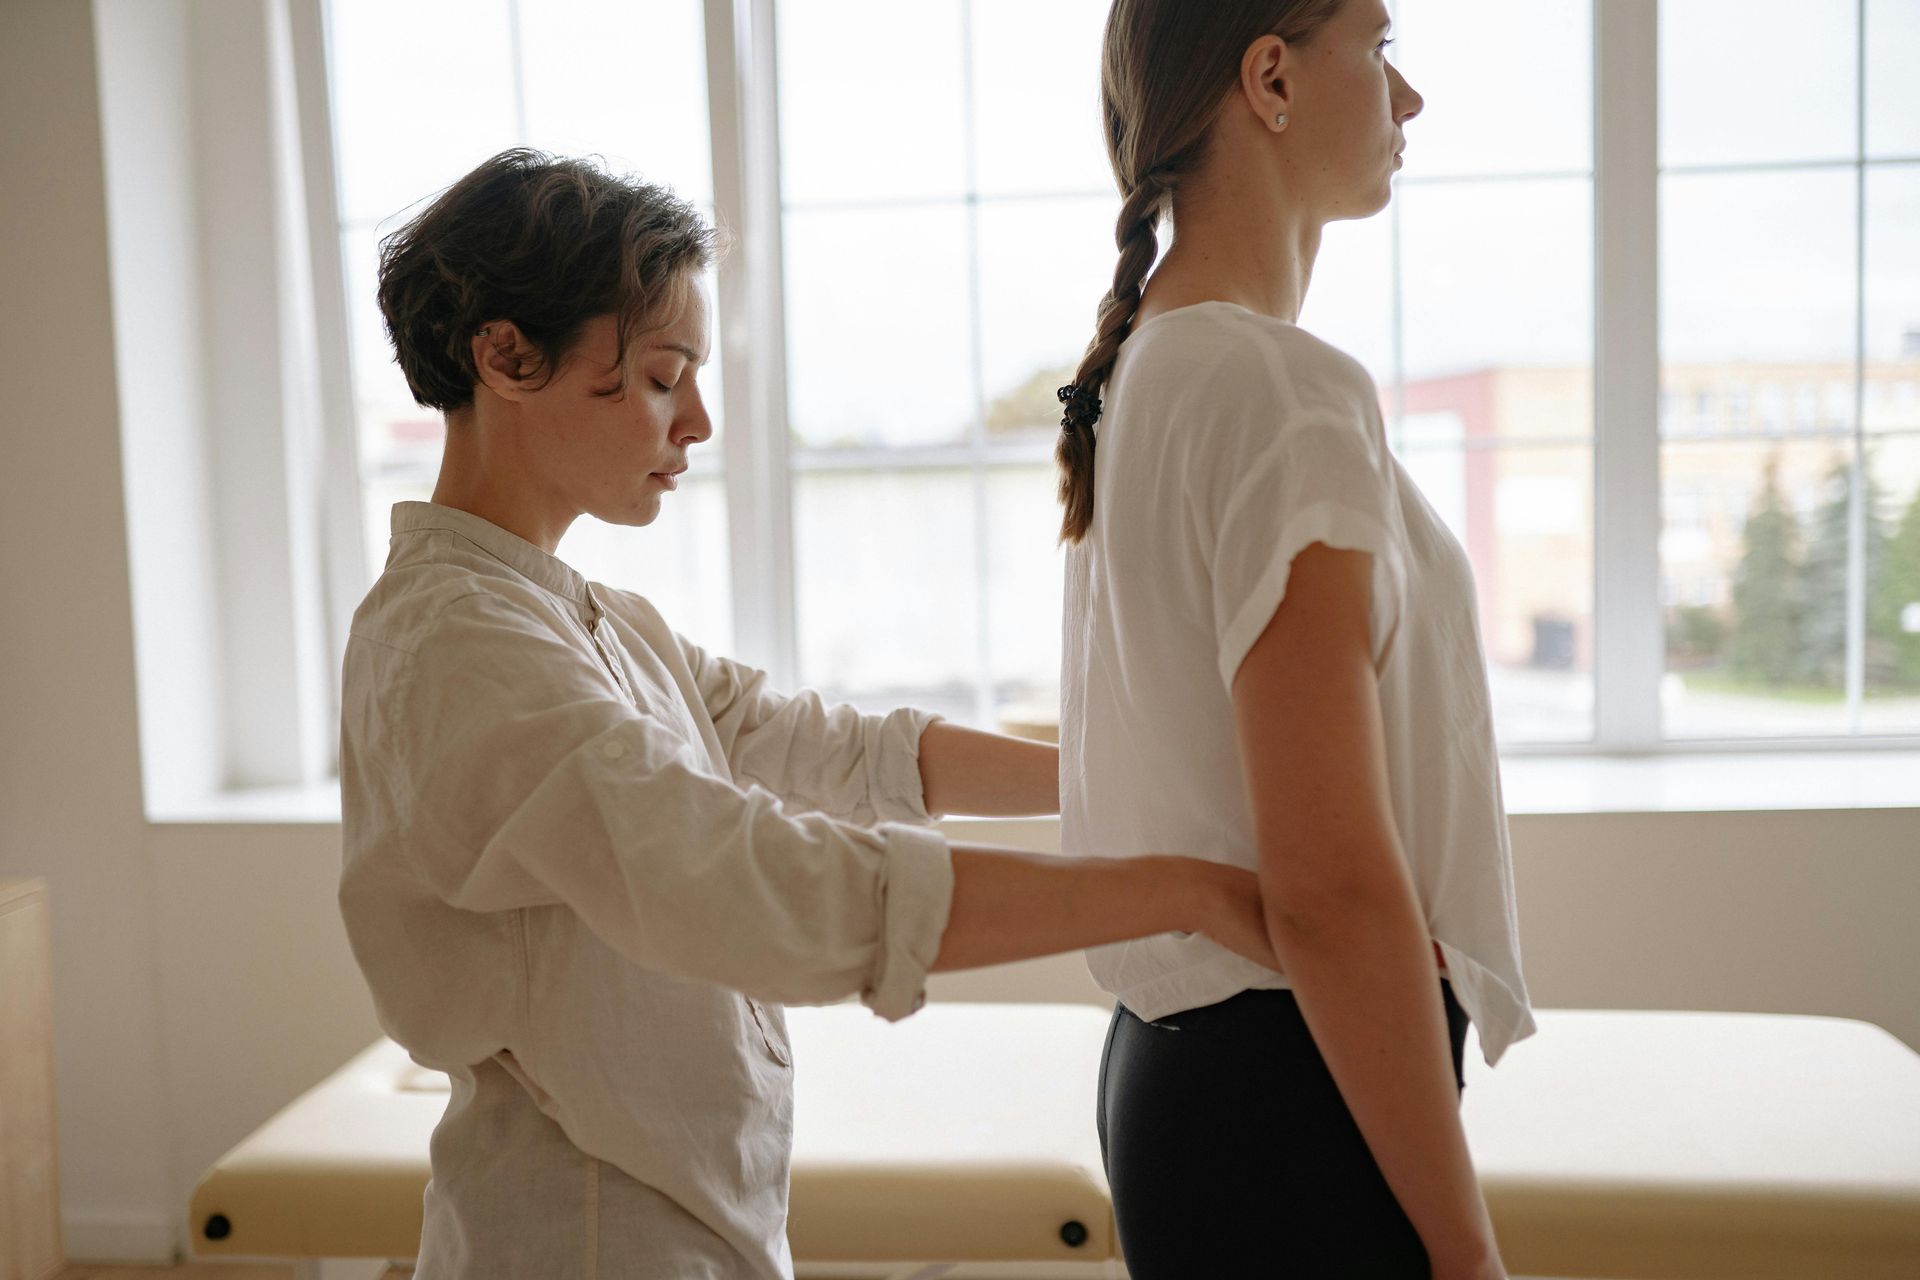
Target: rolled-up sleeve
535, 783
915, 894
834, 759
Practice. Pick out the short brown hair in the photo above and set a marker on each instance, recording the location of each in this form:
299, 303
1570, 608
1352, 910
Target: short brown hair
545, 241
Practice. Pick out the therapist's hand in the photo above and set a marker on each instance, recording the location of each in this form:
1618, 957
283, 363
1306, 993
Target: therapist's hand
1234, 917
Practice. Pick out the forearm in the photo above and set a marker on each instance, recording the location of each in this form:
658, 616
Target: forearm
1014, 906
1362, 972
966, 771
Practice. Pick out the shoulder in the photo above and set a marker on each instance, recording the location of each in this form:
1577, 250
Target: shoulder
1244, 389
413, 606
1222, 360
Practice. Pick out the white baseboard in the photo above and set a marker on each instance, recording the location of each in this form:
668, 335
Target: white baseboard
119, 1236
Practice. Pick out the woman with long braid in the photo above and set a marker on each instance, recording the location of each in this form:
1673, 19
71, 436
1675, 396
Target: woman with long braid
1272, 655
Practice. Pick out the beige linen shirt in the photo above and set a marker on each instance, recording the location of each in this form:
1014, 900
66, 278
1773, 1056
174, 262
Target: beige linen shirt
585, 863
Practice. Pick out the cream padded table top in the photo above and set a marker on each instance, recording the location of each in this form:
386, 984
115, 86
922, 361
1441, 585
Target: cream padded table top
965, 1136
964, 1133
1701, 1145
1629, 1144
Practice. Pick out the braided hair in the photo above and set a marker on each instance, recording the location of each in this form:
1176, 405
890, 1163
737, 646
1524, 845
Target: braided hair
1166, 67
1134, 234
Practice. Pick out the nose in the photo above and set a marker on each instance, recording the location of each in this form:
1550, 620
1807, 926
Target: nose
1406, 102
692, 424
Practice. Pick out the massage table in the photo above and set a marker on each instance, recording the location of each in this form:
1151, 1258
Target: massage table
1625, 1145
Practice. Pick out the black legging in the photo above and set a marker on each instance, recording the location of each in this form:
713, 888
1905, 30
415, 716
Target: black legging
1231, 1152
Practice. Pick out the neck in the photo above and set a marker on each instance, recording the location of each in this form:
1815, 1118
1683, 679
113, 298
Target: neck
481, 475
1235, 241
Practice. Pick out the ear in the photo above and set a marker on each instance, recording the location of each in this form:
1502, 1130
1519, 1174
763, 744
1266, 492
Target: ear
502, 357
1266, 71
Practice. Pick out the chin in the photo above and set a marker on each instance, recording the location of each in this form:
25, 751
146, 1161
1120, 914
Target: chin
1367, 207
644, 511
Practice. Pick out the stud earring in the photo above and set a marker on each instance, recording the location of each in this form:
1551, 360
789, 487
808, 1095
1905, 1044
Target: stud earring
1280, 121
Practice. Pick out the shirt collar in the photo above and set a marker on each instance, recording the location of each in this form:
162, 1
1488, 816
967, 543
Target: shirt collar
510, 549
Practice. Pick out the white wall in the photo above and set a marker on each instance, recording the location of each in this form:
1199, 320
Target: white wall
201, 975
70, 802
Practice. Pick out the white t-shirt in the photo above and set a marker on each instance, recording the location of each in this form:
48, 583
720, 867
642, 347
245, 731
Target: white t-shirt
1229, 442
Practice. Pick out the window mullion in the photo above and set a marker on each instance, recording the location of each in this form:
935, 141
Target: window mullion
743, 108
1856, 641
1629, 658
984, 709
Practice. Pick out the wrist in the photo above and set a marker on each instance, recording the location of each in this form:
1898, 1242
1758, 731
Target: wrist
1471, 1251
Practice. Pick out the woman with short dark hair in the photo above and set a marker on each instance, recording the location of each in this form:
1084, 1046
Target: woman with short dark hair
585, 859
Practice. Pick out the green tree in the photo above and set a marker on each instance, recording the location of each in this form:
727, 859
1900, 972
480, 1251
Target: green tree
1823, 645
1768, 604
1695, 635
1894, 651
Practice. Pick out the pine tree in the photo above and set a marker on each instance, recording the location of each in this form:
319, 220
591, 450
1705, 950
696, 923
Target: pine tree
1897, 649
1823, 645
1768, 605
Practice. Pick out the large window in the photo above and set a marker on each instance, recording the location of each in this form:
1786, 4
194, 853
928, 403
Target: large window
1790, 368
940, 232
942, 267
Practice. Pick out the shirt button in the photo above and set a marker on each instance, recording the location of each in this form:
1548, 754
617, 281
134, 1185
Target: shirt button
613, 750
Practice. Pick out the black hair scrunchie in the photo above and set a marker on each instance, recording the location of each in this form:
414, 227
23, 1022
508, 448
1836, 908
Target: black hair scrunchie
1083, 407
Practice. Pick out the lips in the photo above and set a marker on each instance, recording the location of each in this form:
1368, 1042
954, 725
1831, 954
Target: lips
671, 479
